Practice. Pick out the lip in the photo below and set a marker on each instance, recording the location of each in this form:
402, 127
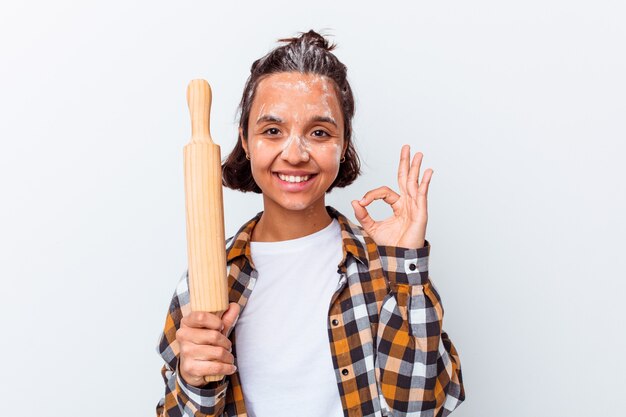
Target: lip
289, 186
294, 172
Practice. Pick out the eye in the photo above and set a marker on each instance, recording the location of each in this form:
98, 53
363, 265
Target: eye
272, 131
320, 133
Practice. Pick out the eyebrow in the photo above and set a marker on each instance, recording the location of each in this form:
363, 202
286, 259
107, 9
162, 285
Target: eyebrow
325, 119
269, 118
276, 119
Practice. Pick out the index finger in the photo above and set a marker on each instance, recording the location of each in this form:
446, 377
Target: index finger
202, 320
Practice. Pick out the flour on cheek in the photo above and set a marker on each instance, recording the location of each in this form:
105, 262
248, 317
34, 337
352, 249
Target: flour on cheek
336, 148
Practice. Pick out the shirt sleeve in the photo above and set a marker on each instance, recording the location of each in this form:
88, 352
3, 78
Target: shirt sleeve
181, 399
418, 367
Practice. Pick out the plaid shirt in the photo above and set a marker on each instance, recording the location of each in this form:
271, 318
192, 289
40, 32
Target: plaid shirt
390, 353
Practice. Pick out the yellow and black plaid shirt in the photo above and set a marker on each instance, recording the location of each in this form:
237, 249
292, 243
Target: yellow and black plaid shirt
390, 353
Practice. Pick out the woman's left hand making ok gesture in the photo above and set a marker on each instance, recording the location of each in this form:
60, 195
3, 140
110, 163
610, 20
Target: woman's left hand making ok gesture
407, 226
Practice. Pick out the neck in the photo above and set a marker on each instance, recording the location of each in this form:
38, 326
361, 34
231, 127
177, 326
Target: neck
278, 223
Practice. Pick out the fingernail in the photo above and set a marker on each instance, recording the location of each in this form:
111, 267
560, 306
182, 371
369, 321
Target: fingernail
362, 200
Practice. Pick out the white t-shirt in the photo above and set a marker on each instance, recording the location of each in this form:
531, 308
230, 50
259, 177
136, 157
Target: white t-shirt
283, 353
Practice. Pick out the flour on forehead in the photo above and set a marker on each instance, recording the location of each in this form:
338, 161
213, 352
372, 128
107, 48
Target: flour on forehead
276, 108
260, 112
299, 85
326, 97
323, 110
303, 85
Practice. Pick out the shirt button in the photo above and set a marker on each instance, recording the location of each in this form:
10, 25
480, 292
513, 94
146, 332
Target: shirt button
412, 267
345, 371
335, 322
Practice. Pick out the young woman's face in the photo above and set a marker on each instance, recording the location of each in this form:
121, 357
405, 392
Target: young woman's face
295, 138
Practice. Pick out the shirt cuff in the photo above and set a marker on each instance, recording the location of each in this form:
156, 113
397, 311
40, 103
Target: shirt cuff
205, 399
405, 266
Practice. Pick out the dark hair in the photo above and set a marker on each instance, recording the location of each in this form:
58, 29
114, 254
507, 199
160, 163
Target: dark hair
308, 54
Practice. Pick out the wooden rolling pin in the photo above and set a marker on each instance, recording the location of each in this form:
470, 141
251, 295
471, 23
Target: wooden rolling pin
208, 281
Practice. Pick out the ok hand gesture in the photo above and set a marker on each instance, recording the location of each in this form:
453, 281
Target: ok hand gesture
407, 226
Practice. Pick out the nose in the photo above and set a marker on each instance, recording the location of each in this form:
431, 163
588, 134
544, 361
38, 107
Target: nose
295, 150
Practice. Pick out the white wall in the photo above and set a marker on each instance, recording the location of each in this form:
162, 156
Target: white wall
518, 107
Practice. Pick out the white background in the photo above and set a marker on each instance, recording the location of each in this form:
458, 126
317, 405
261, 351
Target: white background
517, 106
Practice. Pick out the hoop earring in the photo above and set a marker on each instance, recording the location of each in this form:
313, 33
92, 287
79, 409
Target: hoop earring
342, 160
247, 157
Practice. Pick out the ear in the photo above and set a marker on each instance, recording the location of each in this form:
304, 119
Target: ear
244, 143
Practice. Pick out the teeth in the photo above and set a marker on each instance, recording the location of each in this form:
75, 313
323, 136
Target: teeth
291, 178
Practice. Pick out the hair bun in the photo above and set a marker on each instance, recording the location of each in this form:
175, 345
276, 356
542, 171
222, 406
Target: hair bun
311, 38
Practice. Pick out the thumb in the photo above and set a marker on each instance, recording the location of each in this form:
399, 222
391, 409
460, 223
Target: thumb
229, 318
362, 215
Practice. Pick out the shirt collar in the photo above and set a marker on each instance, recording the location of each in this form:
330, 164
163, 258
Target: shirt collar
353, 241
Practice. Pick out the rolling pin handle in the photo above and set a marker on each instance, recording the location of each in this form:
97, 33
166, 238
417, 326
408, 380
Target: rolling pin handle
199, 102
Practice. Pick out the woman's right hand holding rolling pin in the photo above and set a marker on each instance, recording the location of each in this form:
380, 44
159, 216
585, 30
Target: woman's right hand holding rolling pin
204, 345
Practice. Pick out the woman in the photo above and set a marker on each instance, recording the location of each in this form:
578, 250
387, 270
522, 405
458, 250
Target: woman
332, 319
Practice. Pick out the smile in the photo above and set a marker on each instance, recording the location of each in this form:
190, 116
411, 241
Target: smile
294, 182
294, 179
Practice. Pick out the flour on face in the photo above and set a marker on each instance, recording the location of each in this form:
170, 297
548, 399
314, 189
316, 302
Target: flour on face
296, 124
302, 145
